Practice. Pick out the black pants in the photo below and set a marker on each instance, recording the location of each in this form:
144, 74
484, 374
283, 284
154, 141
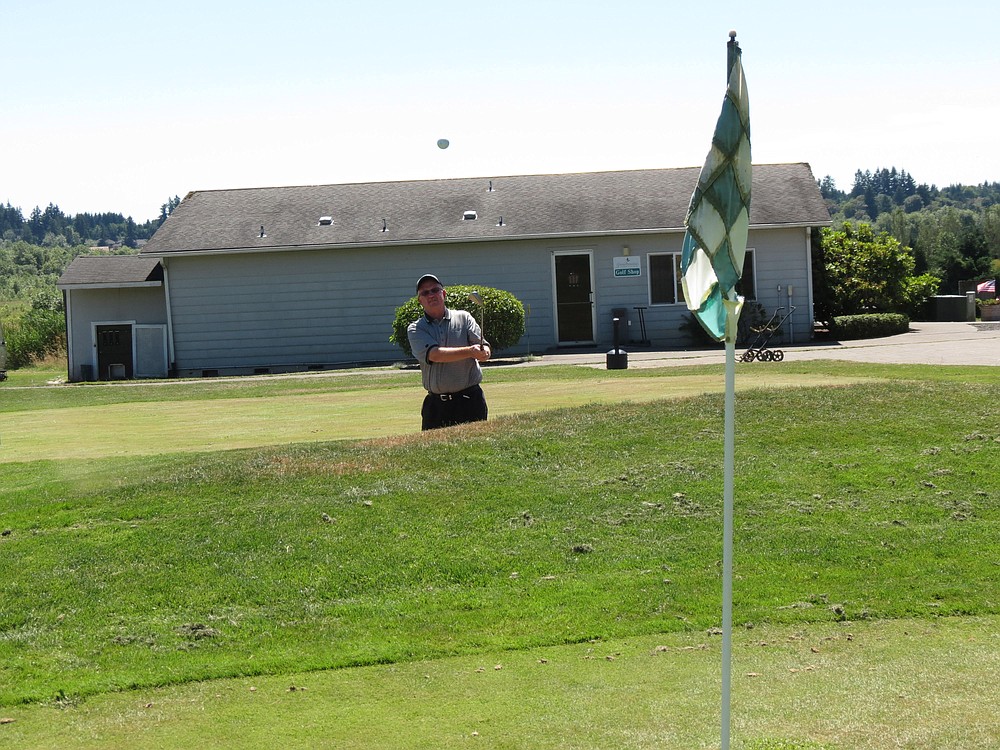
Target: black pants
454, 408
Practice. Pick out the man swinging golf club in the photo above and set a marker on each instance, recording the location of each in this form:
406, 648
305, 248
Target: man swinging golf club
449, 346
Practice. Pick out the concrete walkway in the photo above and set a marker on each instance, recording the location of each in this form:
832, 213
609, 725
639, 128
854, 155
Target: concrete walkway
925, 343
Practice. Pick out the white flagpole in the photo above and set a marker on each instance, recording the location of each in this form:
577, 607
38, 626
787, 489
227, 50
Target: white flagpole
730, 167
732, 316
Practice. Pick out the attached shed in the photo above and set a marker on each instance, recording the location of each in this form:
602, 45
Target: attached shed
116, 317
292, 278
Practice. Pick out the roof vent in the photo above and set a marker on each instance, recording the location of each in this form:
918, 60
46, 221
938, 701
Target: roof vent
262, 234
470, 216
325, 221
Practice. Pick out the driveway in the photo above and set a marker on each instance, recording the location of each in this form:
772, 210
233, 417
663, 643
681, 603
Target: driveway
925, 343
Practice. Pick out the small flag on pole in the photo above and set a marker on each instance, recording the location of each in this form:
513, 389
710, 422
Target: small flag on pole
718, 216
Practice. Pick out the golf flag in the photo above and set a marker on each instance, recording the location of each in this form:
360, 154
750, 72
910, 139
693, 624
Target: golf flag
718, 216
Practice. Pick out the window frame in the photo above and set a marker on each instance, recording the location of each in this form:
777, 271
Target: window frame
750, 258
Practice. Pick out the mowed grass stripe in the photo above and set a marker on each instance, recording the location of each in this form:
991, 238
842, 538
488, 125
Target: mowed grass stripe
137, 429
884, 684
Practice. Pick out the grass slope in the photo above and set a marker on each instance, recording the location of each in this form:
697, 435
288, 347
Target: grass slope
872, 501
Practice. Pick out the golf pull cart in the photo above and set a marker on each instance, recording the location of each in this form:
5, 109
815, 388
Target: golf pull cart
758, 347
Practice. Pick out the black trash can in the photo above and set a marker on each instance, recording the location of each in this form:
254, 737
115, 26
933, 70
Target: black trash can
87, 373
617, 357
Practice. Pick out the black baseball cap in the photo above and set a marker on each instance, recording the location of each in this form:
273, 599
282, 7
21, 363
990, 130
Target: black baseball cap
428, 277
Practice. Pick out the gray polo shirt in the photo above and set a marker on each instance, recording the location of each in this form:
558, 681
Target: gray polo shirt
456, 328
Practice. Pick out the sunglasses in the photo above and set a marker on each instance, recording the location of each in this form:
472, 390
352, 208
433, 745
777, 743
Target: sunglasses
432, 292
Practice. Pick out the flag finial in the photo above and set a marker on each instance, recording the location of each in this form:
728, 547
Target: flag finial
732, 53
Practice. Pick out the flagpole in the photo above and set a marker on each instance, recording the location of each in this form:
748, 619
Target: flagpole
733, 308
729, 461
712, 257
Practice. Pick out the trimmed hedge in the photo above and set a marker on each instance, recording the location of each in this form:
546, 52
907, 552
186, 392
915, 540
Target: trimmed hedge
869, 326
504, 316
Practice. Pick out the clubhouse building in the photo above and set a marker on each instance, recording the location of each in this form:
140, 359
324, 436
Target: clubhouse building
282, 279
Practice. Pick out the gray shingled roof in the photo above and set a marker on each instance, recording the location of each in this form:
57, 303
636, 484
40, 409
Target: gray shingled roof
111, 271
427, 211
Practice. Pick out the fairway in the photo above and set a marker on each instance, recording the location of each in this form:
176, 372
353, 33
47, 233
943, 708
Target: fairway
239, 563
861, 685
148, 428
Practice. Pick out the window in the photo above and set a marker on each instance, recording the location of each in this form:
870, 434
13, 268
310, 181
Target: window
665, 278
747, 285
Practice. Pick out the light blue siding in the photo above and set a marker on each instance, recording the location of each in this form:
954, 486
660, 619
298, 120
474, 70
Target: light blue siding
294, 309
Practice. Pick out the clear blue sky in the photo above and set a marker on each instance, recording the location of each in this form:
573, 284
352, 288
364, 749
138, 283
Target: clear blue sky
119, 105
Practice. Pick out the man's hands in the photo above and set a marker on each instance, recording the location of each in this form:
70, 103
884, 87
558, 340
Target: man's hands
481, 352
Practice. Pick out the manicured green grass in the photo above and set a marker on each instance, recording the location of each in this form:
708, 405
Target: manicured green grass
920, 684
860, 502
155, 419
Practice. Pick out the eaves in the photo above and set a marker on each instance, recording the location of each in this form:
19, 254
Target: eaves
425, 241
110, 285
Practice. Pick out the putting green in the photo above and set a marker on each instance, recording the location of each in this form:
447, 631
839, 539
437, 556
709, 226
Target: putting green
150, 428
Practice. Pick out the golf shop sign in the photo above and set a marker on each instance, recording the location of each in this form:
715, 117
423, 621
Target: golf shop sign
627, 265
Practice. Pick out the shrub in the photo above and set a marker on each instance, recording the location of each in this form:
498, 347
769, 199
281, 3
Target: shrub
33, 336
918, 293
504, 324
859, 271
869, 326
987, 309
752, 319
696, 332
36, 332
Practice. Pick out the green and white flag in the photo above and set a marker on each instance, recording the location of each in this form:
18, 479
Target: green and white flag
718, 217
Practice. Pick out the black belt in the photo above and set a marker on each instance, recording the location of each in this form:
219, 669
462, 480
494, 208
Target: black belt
450, 396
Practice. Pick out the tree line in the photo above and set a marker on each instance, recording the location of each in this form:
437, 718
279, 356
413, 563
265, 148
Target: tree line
953, 233
51, 227
35, 251
893, 243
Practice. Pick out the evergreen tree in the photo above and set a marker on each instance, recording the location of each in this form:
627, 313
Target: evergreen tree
828, 189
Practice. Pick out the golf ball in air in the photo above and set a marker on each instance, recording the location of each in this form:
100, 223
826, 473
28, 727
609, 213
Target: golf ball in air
443, 143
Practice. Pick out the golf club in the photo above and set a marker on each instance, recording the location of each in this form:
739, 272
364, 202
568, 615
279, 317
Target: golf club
475, 297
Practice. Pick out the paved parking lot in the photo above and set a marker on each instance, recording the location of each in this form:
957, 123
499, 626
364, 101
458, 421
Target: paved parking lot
925, 343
